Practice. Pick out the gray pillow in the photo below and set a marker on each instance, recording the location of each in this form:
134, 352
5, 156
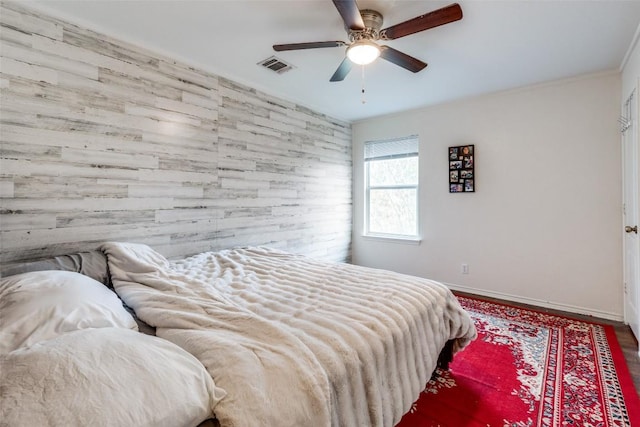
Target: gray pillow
92, 264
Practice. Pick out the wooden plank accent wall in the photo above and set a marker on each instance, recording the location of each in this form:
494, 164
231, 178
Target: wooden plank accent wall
105, 141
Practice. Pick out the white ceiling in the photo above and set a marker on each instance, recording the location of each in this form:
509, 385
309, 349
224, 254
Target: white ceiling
497, 45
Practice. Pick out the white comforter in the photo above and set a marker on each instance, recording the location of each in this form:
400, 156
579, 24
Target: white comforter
294, 341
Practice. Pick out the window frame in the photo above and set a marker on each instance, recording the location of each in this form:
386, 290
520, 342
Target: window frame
400, 238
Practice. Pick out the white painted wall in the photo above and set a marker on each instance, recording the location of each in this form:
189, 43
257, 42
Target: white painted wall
544, 223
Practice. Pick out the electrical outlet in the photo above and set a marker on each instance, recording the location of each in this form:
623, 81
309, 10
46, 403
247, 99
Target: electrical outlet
464, 269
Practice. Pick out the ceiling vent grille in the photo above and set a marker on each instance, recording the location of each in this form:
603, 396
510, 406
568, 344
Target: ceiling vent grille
276, 64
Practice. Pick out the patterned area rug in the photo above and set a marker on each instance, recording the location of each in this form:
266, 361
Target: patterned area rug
530, 369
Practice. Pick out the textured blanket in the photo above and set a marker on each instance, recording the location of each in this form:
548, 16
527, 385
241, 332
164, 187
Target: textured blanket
294, 341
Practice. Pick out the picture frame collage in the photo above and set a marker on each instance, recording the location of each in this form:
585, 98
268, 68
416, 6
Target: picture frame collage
462, 169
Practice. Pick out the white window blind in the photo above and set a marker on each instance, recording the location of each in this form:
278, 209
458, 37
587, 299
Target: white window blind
391, 149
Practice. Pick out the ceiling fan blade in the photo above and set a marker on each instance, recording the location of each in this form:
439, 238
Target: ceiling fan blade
350, 13
402, 59
442, 16
342, 71
311, 45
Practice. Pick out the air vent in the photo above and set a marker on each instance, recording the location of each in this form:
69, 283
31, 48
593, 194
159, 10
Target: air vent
276, 64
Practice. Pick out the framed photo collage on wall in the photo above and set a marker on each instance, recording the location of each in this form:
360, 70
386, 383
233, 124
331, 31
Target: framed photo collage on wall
461, 169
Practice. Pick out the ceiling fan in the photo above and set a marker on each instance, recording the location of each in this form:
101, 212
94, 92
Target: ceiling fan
363, 28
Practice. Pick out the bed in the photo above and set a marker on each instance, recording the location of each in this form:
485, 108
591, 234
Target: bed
254, 337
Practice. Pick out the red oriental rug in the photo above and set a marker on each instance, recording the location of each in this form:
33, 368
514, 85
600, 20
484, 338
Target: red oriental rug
528, 368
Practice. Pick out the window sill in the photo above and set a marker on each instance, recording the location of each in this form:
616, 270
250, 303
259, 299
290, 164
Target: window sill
393, 239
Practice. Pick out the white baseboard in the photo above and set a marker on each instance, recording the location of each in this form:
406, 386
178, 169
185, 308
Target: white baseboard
540, 303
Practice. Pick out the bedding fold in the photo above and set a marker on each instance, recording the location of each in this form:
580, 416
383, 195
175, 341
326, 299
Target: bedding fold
295, 341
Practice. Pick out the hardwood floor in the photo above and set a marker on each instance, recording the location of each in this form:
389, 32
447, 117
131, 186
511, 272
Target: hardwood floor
629, 346
628, 342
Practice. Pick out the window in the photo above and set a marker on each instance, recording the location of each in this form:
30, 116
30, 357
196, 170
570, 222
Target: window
391, 188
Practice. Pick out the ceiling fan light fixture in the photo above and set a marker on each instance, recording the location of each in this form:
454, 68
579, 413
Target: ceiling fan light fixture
363, 52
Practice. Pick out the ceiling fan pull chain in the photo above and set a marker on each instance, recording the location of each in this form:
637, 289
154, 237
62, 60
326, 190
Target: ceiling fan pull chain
364, 101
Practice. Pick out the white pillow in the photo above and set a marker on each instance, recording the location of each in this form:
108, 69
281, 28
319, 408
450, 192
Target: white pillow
105, 377
40, 305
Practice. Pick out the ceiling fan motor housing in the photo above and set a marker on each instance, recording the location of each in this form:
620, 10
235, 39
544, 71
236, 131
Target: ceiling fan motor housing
372, 23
